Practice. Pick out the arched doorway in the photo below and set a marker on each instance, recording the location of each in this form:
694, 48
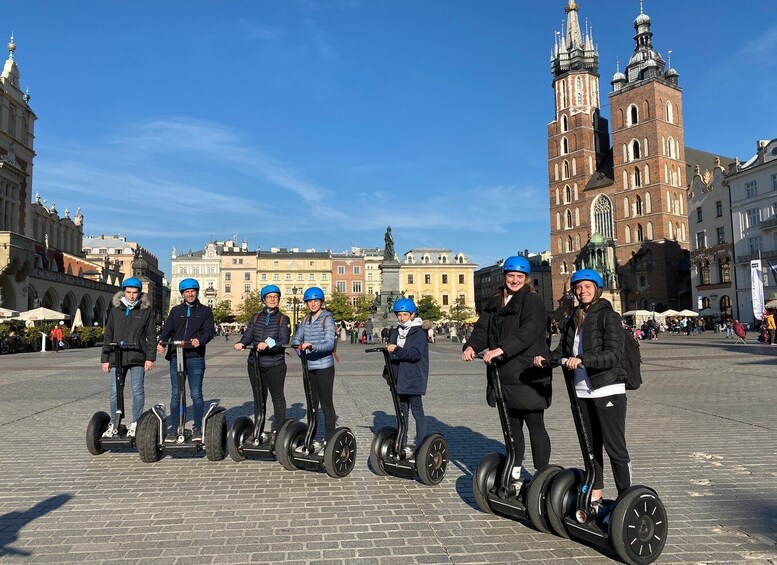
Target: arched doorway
51, 300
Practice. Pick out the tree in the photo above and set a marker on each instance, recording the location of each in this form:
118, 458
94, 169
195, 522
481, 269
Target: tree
340, 305
222, 311
459, 312
251, 305
428, 309
363, 308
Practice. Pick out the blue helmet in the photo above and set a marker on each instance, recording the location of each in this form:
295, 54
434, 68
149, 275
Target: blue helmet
587, 275
133, 282
188, 284
313, 293
405, 305
270, 288
518, 264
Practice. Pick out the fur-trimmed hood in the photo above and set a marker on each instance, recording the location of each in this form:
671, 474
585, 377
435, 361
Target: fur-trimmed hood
116, 302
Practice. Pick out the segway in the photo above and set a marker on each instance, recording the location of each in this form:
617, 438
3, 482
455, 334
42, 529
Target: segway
95, 442
151, 429
247, 438
430, 459
294, 445
634, 525
492, 485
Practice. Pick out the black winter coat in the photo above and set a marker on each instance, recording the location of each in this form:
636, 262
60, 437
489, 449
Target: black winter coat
410, 362
134, 326
519, 329
602, 344
260, 327
185, 325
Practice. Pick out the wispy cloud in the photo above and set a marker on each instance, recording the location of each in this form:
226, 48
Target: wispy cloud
762, 47
255, 31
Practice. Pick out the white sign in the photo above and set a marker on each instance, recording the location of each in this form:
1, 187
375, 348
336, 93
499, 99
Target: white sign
757, 288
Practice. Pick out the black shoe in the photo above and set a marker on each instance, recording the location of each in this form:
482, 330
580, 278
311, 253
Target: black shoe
197, 434
171, 436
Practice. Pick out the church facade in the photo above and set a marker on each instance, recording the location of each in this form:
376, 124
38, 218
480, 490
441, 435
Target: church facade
619, 207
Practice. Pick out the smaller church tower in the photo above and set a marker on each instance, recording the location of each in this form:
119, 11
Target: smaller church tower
577, 143
649, 175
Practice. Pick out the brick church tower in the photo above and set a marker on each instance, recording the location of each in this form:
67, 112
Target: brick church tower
620, 209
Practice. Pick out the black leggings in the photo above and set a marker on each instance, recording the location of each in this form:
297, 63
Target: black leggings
273, 378
605, 420
540, 441
322, 384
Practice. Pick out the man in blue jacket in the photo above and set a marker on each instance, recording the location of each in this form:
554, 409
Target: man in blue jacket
193, 322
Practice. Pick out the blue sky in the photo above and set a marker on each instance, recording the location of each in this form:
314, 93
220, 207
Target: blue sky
315, 123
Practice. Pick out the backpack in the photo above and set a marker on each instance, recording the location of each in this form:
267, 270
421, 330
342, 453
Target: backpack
631, 358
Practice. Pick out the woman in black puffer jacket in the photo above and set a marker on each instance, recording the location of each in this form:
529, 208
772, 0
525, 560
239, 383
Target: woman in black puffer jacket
513, 326
590, 350
268, 331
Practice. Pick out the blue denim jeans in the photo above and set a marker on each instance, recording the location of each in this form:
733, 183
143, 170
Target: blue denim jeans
195, 369
413, 403
138, 394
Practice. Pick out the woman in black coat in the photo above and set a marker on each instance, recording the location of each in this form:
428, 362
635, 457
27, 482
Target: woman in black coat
590, 350
513, 326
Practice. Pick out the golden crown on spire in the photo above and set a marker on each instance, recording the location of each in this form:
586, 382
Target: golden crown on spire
572, 6
11, 45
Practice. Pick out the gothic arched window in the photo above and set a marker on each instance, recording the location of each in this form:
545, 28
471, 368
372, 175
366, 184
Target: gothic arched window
603, 216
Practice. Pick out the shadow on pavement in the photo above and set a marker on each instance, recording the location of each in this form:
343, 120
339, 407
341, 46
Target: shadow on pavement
12, 522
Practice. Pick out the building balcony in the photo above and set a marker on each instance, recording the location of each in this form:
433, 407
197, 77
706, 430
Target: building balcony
763, 255
769, 224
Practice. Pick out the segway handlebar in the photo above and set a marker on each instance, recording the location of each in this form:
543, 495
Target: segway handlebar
176, 343
122, 344
375, 350
499, 359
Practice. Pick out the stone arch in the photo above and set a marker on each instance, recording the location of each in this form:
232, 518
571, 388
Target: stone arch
51, 300
100, 312
8, 293
69, 304
87, 311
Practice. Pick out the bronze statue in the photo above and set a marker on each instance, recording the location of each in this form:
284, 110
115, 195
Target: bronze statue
388, 252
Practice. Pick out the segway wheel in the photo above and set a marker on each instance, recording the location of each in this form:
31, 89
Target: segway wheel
290, 436
561, 499
95, 430
432, 459
638, 526
382, 449
340, 453
216, 437
536, 496
147, 438
485, 478
238, 434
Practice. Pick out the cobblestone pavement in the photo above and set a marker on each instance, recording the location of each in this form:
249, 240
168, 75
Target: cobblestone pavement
702, 431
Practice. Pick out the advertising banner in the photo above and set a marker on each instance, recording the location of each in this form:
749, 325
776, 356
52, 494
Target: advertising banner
757, 288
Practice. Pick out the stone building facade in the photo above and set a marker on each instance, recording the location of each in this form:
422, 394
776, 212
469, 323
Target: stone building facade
438, 272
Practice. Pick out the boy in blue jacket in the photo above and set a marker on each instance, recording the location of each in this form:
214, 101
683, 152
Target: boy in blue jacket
409, 352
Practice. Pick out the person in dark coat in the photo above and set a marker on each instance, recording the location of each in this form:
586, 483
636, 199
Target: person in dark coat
511, 331
409, 353
189, 321
131, 320
590, 350
268, 331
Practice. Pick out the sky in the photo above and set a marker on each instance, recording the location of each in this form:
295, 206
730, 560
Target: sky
316, 123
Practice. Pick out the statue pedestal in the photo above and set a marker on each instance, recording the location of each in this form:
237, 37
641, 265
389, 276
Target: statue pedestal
614, 296
383, 315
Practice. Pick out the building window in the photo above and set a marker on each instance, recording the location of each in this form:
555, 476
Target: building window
638, 205
774, 182
753, 217
227, 288
701, 240
444, 299
640, 235
264, 276
751, 188
409, 279
357, 287
725, 271
721, 234
312, 277
247, 288
642, 282
247, 276
603, 216
569, 219
227, 276
427, 278
341, 269
718, 209
340, 286
461, 279
704, 272
276, 276
357, 270
276, 263
288, 276
698, 214
755, 244
566, 169
311, 263
300, 277
445, 279
633, 115
635, 149
324, 276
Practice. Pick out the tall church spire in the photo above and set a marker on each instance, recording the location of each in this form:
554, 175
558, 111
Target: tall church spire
574, 37
573, 51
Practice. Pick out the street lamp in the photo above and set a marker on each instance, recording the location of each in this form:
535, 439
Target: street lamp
295, 305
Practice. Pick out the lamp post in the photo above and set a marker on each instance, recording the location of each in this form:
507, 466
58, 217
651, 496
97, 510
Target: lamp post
295, 305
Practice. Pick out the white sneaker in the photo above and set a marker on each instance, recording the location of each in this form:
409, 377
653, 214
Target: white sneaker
408, 452
111, 431
131, 429
516, 474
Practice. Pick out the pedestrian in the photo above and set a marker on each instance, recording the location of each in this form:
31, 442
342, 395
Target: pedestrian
268, 331
316, 335
189, 321
408, 348
130, 320
56, 336
511, 331
589, 351
770, 325
729, 328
